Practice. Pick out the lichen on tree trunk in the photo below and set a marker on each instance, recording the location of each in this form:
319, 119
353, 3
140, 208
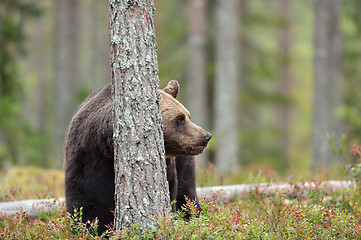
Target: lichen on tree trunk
141, 187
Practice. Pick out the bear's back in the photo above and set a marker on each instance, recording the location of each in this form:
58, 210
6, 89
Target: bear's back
91, 124
88, 158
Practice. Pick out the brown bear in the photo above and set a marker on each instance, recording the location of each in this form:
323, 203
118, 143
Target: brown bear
89, 159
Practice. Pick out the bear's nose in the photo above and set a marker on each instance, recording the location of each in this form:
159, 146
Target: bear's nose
208, 137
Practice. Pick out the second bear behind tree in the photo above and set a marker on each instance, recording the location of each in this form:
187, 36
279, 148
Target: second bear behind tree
88, 154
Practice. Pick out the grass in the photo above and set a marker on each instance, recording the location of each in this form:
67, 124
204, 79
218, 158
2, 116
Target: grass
20, 183
310, 215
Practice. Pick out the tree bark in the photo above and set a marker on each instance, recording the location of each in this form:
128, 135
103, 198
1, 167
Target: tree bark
226, 86
197, 82
327, 80
141, 188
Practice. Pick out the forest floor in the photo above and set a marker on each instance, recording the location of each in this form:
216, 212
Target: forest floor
308, 214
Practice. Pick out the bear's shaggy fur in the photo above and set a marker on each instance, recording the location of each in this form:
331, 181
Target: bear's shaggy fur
89, 159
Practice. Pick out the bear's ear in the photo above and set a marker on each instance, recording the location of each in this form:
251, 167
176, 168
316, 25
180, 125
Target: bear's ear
172, 88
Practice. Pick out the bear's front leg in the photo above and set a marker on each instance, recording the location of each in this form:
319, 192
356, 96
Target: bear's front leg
186, 175
172, 181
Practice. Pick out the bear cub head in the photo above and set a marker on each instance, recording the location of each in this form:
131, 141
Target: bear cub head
181, 135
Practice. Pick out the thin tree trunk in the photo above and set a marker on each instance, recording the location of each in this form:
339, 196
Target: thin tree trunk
92, 52
327, 79
94, 43
285, 82
227, 82
43, 68
36, 103
141, 188
335, 86
197, 82
66, 67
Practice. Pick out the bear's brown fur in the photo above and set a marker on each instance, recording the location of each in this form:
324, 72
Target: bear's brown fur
89, 159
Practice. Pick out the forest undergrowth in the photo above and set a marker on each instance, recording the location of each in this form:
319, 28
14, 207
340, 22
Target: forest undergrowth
307, 214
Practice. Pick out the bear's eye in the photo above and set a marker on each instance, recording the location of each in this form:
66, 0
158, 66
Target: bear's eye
180, 120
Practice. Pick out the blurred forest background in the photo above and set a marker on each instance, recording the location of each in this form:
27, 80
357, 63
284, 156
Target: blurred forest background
277, 82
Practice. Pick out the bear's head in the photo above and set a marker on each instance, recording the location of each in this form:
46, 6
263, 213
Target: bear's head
181, 135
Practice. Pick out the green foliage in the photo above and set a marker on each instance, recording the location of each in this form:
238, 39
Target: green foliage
261, 98
11, 40
89, 229
171, 25
309, 214
19, 143
356, 170
342, 145
61, 226
271, 218
350, 112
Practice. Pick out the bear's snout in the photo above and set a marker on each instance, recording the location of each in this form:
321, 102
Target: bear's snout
208, 136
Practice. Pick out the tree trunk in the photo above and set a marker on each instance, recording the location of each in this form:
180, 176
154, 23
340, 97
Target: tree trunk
327, 80
94, 43
197, 82
285, 81
335, 87
66, 67
141, 188
226, 86
37, 64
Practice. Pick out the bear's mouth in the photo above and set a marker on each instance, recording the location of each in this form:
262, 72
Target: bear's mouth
194, 150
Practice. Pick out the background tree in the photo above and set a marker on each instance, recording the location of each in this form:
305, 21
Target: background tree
285, 79
351, 109
66, 79
260, 98
15, 146
197, 80
327, 80
227, 82
37, 81
141, 187
94, 47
